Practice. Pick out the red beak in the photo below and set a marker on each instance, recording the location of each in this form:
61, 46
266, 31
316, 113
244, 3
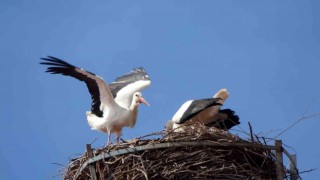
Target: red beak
141, 100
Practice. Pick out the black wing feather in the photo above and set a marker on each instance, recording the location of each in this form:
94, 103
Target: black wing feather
116, 87
58, 66
135, 75
225, 119
197, 106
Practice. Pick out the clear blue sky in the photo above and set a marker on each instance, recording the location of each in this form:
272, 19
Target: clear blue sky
267, 53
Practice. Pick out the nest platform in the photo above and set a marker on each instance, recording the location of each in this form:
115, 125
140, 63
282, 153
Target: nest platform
199, 152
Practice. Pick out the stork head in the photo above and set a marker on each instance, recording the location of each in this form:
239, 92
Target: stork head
138, 99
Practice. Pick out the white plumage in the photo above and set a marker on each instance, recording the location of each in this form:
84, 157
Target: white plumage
114, 106
206, 111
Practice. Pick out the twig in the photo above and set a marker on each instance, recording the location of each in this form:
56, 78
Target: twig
308, 107
95, 139
251, 134
296, 122
58, 164
307, 171
258, 138
123, 140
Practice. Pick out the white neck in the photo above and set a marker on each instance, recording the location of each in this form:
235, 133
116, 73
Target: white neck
134, 110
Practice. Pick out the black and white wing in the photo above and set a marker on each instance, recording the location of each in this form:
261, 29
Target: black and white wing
125, 86
97, 87
193, 107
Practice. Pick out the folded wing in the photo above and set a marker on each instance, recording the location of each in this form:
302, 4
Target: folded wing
193, 107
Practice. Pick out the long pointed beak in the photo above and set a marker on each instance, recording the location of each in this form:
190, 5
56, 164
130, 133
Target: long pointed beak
141, 100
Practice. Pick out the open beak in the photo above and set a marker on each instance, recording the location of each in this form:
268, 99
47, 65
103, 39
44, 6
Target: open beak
141, 100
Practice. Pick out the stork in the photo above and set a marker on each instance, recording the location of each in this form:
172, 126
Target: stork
203, 111
113, 107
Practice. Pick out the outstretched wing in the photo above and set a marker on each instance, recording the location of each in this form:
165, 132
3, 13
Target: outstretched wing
193, 107
97, 87
125, 86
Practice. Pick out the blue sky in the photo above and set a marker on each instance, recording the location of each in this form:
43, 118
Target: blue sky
265, 52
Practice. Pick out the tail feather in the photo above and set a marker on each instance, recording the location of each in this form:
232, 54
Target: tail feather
225, 119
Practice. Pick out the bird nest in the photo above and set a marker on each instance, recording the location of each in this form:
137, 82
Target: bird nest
199, 152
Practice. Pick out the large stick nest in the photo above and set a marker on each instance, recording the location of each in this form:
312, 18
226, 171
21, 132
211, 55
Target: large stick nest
185, 162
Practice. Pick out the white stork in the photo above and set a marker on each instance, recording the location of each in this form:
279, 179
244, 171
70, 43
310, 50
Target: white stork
206, 111
114, 106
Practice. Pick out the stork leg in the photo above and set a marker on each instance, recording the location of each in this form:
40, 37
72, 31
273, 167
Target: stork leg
118, 134
109, 136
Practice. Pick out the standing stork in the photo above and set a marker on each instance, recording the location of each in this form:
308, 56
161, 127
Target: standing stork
113, 107
206, 111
